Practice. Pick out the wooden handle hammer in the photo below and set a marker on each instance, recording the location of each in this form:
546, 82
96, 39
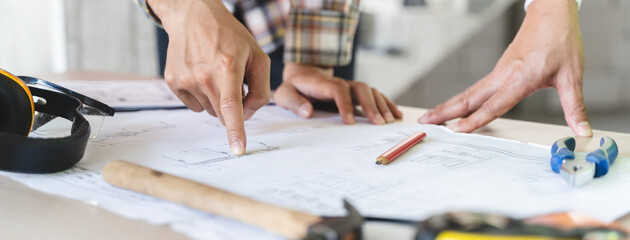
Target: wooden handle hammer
285, 222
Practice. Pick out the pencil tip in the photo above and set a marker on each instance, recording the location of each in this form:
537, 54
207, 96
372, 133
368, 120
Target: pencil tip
382, 161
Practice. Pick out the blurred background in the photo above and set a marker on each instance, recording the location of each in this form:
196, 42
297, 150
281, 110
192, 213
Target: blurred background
417, 52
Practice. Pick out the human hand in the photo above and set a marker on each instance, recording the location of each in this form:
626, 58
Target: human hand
208, 56
546, 52
303, 84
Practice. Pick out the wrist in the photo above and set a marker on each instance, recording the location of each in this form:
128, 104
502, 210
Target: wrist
577, 2
554, 12
293, 69
169, 10
160, 7
296, 65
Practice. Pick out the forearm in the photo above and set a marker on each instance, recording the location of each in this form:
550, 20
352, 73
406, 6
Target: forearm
170, 11
529, 2
159, 10
559, 17
552, 14
561, 8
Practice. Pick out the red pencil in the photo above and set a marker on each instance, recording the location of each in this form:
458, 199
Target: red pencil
400, 148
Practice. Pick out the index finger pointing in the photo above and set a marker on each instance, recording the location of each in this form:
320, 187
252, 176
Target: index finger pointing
231, 107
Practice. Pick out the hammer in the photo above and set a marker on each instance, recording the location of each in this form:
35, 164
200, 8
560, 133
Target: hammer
285, 222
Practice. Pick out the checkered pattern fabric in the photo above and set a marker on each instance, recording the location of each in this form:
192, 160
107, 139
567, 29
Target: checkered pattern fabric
266, 20
315, 32
321, 32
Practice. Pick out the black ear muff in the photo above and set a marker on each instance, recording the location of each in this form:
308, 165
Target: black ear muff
16, 105
20, 153
47, 155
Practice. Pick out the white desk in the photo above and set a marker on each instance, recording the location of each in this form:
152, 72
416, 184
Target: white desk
29, 214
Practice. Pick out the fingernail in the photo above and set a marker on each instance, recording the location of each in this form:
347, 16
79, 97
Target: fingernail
237, 148
378, 119
390, 117
453, 126
304, 110
349, 118
584, 129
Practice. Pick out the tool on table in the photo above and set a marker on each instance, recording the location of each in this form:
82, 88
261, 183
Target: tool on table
285, 222
298, 225
400, 148
478, 226
29, 103
578, 170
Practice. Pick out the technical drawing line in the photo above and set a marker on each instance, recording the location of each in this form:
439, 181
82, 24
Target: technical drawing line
223, 155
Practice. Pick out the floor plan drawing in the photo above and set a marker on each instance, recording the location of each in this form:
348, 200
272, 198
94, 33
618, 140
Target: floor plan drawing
312, 165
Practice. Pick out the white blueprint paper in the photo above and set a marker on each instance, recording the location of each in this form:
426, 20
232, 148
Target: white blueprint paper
311, 165
126, 94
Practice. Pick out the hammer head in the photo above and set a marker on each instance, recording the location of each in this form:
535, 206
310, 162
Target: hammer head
338, 228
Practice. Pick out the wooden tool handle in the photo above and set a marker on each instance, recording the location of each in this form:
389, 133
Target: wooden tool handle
286, 222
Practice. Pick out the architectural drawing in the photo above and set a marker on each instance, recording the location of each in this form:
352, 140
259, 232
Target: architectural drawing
313, 164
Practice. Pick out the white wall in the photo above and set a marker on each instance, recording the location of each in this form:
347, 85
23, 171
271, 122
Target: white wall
33, 39
47, 36
605, 26
108, 35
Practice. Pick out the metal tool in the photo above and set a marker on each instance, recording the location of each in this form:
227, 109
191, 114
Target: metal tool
477, 226
294, 224
579, 169
288, 223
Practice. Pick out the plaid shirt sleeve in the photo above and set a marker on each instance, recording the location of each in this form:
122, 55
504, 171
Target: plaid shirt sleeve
315, 32
265, 19
320, 32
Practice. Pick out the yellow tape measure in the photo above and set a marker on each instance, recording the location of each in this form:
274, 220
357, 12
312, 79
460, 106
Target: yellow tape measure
455, 235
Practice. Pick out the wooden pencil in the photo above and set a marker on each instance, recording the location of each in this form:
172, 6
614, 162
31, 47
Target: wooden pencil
400, 148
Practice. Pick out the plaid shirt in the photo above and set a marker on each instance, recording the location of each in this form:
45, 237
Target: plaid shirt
315, 32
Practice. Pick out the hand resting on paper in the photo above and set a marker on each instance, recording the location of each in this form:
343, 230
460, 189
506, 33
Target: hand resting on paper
303, 85
546, 52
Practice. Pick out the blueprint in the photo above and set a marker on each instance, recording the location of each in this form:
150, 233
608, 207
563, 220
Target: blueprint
312, 164
127, 94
